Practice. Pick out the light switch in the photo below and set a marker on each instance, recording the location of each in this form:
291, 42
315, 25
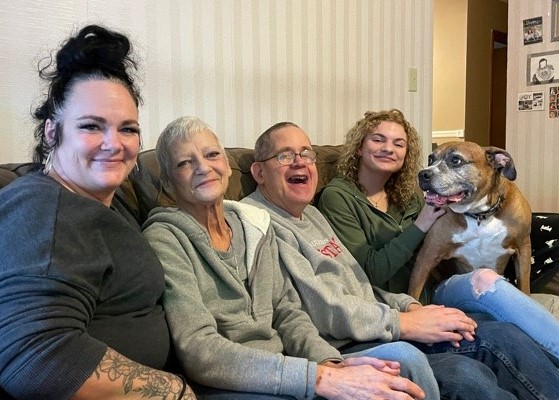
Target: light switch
412, 80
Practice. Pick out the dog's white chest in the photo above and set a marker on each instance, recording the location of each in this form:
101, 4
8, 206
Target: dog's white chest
482, 245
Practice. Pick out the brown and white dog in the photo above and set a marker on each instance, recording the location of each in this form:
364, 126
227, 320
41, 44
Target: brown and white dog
487, 219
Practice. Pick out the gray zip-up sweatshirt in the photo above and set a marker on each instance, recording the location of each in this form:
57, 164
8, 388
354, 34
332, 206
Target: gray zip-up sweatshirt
332, 285
258, 340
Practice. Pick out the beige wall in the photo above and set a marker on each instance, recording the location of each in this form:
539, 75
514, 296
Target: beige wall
532, 137
483, 16
449, 65
241, 65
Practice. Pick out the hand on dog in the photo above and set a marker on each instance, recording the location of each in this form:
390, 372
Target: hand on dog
433, 324
427, 217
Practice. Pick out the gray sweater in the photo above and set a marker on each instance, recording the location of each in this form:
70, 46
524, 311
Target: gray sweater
258, 340
333, 287
75, 277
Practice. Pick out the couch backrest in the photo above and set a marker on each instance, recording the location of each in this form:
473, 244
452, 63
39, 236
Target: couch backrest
142, 190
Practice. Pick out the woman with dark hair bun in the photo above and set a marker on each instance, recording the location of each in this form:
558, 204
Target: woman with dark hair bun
94, 53
80, 288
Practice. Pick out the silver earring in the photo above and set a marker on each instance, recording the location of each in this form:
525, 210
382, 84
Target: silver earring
137, 166
48, 163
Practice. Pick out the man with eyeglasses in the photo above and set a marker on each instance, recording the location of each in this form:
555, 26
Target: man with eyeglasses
349, 313
284, 173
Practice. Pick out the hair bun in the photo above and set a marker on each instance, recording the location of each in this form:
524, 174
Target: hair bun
95, 48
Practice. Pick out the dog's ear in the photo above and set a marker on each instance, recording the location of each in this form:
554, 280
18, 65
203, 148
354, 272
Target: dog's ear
501, 161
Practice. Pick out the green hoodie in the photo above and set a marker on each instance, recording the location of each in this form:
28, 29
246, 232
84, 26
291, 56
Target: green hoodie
384, 244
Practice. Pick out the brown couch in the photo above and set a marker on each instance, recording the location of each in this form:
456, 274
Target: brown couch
142, 191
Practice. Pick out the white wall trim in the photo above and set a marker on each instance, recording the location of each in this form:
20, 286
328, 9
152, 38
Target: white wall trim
459, 133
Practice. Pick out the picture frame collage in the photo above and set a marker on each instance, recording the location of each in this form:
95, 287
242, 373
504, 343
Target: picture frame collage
541, 67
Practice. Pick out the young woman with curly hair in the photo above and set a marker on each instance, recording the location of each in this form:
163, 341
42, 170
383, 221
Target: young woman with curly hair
377, 210
375, 205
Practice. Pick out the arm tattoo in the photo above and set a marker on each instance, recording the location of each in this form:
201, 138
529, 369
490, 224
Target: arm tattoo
147, 382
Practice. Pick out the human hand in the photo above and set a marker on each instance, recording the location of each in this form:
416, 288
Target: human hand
390, 367
427, 217
363, 382
414, 306
435, 323
332, 364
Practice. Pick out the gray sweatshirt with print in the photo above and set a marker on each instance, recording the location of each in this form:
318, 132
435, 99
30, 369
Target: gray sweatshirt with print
332, 285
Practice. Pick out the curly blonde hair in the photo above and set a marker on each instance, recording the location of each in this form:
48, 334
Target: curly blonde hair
402, 185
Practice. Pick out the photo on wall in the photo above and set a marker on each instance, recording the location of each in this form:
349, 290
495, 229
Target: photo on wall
540, 68
530, 101
553, 101
532, 30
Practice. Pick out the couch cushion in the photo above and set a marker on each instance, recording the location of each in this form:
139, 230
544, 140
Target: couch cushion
325, 163
9, 172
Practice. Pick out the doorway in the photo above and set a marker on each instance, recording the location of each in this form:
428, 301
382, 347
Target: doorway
498, 100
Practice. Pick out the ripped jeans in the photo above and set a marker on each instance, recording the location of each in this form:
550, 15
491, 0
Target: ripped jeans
502, 301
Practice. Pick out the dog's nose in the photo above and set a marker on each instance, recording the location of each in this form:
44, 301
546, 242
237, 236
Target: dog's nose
425, 175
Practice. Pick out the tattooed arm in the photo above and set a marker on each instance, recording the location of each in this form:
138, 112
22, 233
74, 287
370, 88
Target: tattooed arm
117, 377
46, 351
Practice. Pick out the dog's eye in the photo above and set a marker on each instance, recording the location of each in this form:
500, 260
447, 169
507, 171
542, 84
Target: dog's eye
430, 159
456, 161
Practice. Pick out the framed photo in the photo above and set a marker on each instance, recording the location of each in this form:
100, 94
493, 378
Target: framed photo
553, 101
554, 20
532, 30
540, 68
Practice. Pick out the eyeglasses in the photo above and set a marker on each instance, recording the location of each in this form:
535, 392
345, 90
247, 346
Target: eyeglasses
288, 157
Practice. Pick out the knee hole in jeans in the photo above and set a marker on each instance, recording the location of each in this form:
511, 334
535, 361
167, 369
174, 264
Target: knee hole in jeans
483, 280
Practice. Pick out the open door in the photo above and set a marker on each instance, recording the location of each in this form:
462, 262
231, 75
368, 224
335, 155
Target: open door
498, 102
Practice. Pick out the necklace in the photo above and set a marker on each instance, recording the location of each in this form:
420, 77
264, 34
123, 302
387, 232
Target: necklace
236, 264
242, 271
377, 201
230, 231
